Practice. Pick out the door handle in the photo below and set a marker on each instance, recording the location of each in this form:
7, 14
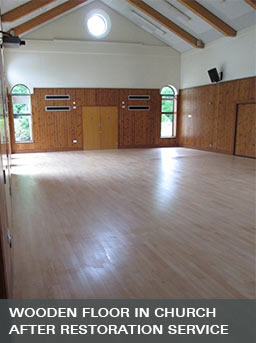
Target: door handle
4, 175
9, 239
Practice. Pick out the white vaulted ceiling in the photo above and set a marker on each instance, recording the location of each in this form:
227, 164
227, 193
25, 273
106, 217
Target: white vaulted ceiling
236, 13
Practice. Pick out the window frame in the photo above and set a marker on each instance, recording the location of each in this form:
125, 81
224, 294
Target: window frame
19, 115
106, 19
172, 97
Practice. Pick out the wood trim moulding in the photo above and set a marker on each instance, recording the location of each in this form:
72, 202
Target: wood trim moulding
47, 16
218, 83
17, 151
251, 3
168, 24
245, 102
23, 10
209, 17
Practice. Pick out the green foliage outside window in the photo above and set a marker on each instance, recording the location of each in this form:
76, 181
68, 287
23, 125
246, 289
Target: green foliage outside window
167, 125
167, 91
167, 106
22, 113
166, 118
22, 129
20, 109
20, 89
167, 109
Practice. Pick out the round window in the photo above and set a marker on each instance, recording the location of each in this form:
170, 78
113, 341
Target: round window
98, 23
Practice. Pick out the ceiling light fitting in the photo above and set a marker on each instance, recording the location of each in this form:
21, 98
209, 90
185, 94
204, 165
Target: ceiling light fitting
177, 11
148, 22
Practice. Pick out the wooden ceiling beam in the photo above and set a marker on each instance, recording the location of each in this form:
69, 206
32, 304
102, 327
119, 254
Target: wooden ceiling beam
168, 24
23, 10
252, 3
47, 16
209, 17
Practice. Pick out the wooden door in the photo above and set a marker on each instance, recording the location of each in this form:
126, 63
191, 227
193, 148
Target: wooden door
109, 127
5, 193
245, 144
91, 128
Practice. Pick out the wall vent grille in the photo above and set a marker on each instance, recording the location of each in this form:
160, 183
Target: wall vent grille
57, 97
57, 108
139, 108
139, 97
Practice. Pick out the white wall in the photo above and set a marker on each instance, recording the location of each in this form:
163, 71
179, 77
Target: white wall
92, 64
236, 56
63, 54
72, 26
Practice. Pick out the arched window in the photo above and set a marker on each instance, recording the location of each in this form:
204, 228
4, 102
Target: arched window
168, 112
22, 115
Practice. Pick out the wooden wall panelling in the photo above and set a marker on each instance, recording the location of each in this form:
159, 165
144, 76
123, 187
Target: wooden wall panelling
42, 118
79, 116
214, 124
126, 121
185, 124
137, 128
154, 114
247, 89
69, 123
61, 120
245, 144
74, 120
89, 97
127, 129
107, 97
197, 131
35, 120
226, 119
70, 119
47, 137
50, 121
143, 129
140, 127
207, 116
55, 131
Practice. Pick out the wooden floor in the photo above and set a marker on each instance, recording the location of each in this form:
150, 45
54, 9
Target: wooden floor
155, 223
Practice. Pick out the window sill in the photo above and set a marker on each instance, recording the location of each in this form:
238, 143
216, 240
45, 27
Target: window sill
24, 142
168, 137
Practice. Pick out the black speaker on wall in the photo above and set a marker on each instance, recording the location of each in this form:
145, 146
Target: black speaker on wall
214, 75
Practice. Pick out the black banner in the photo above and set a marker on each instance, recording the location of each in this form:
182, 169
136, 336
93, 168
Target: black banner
110, 321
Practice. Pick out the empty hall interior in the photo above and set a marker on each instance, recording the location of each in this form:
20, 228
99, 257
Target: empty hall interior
128, 145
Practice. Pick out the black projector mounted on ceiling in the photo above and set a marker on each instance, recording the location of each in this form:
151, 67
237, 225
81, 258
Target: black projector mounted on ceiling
214, 75
10, 41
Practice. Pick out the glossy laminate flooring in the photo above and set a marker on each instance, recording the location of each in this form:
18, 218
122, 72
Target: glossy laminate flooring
145, 223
